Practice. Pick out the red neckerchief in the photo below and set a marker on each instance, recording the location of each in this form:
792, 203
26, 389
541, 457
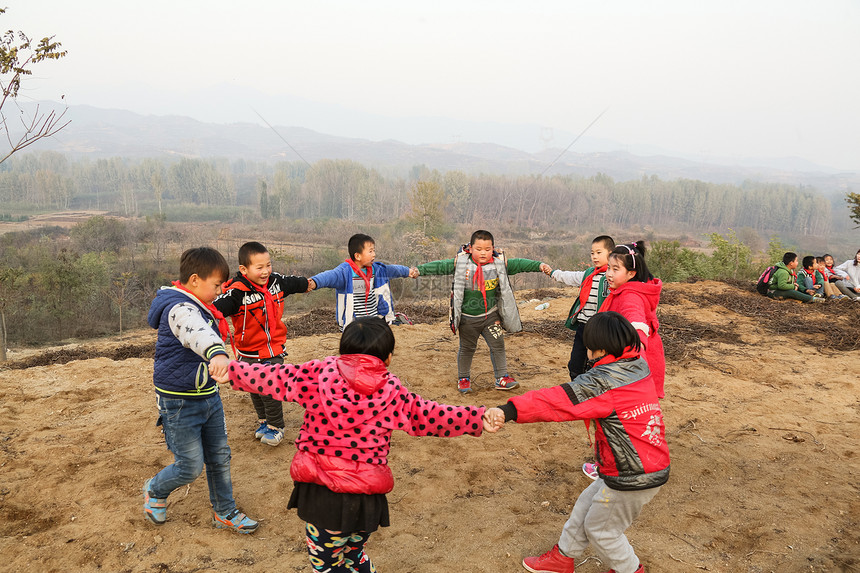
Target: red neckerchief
585, 287
366, 276
478, 278
268, 303
223, 329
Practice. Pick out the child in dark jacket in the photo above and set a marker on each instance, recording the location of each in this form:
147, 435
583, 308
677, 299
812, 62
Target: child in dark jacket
254, 300
618, 395
189, 355
352, 405
592, 292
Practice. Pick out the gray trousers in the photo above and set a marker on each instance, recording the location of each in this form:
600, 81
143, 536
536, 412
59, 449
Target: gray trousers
600, 517
471, 327
845, 288
266, 407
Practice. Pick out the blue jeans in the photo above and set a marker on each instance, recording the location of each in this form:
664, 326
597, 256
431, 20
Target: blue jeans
196, 433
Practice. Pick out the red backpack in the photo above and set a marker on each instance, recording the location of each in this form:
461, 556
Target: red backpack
764, 280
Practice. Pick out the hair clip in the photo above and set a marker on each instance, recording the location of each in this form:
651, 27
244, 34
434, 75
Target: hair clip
632, 254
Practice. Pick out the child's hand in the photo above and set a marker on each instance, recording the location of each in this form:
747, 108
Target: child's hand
311, 285
546, 269
219, 369
413, 273
493, 419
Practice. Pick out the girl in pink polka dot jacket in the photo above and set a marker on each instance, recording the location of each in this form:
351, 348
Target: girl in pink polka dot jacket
352, 404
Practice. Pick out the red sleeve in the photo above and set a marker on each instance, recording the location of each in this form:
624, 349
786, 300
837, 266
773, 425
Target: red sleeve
632, 307
419, 417
280, 381
555, 404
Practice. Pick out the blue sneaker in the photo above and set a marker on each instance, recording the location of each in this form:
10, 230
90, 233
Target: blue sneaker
236, 521
272, 437
155, 509
261, 431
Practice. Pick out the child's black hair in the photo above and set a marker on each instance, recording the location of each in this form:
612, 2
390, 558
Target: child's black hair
481, 235
203, 262
788, 257
250, 249
819, 259
808, 261
357, 243
608, 242
368, 335
611, 332
632, 257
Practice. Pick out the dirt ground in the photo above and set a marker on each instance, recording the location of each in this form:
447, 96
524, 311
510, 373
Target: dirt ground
762, 423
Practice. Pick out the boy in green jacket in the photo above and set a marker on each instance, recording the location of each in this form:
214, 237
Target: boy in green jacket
783, 283
482, 303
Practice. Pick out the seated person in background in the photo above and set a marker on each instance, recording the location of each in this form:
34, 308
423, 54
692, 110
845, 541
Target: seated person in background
806, 278
830, 290
783, 283
849, 282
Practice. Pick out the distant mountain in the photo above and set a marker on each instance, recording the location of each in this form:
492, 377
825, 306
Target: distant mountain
98, 133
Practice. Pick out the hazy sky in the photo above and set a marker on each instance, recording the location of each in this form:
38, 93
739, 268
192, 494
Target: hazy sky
749, 78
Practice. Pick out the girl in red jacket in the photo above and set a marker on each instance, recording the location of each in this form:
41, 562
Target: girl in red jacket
634, 293
352, 404
617, 395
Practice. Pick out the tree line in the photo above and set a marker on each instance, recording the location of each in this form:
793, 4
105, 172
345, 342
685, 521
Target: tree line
345, 189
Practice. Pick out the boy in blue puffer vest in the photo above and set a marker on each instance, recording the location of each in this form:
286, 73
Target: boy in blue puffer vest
189, 353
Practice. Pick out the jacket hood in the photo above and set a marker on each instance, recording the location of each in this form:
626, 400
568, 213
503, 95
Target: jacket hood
359, 393
649, 291
166, 297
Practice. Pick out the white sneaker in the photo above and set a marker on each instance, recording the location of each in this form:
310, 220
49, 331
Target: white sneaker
272, 437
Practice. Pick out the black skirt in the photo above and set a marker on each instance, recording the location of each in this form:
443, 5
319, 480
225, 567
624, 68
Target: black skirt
347, 512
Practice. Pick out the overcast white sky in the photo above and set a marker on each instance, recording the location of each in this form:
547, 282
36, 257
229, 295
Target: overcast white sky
730, 78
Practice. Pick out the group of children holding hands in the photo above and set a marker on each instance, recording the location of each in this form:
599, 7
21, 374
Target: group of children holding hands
353, 403
817, 281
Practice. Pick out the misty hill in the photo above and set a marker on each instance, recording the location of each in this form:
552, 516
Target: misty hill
99, 133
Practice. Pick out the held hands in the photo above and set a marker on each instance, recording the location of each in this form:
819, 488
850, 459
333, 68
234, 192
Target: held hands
413, 273
546, 269
493, 419
311, 285
219, 369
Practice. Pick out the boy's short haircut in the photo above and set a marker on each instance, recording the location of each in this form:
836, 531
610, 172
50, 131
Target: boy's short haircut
608, 242
357, 243
482, 235
819, 260
808, 260
203, 262
250, 249
611, 332
368, 335
632, 257
788, 257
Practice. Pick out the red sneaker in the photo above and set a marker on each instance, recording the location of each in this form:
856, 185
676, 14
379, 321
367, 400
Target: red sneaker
550, 562
506, 383
640, 570
464, 385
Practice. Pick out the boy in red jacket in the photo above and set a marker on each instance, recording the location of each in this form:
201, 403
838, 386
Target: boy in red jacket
254, 300
618, 395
